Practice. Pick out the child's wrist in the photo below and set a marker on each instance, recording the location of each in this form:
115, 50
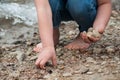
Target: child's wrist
99, 29
49, 46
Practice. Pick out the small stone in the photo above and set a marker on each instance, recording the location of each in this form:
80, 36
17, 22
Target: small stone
107, 72
89, 73
47, 76
29, 51
33, 58
78, 78
87, 65
119, 63
61, 67
97, 50
104, 57
96, 34
20, 56
89, 34
10, 64
115, 72
84, 71
114, 13
100, 71
56, 79
71, 33
117, 59
42, 72
103, 63
61, 62
90, 29
112, 61
29, 43
90, 60
58, 49
110, 49
14, 74
67, 74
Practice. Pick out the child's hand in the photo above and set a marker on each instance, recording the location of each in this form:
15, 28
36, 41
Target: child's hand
46, 54
91, 36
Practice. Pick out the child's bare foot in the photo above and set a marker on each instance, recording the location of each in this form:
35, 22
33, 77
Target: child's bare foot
38, 48
78, 43
56, 34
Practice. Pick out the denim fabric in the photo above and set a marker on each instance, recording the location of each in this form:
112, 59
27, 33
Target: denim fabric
82, 11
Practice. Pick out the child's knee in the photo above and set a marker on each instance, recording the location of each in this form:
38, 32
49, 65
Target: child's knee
82, 9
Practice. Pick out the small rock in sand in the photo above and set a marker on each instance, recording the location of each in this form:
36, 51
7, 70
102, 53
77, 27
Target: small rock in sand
20, 56
110, 49
97, 50
33, 58
89, 73
67, 74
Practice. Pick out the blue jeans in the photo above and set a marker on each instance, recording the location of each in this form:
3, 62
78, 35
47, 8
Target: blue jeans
81, 11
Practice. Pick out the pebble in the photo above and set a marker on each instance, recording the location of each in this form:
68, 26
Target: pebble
97, 50
47, 76
100, 71
67, 74
104, 57
71, 33
29, 43
84, 71
110, 49
90, 29
114, 13
61, 67
78, 78
81, 70
117, 59
14, 74
106, 72
2, 67
33, 58
115, 72
90, 60
29, 51
58, 49
20, 56
119, 63
87, 65
96, 34
103, 63
42, 72
56, 79
112, 61
89, 73
61, 62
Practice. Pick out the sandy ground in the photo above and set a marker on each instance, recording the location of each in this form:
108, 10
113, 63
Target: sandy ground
100, 62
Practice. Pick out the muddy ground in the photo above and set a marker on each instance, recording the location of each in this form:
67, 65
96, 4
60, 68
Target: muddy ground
99, 62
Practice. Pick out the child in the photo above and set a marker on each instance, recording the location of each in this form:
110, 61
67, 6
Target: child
87, 13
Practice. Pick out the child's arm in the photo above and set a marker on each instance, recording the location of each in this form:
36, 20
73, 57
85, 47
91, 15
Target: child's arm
46, 32
103, 15
101, 21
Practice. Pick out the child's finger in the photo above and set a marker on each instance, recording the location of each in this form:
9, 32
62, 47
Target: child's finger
42, 64
93, 39
54, 61
85, 38
37, 62
83, 34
